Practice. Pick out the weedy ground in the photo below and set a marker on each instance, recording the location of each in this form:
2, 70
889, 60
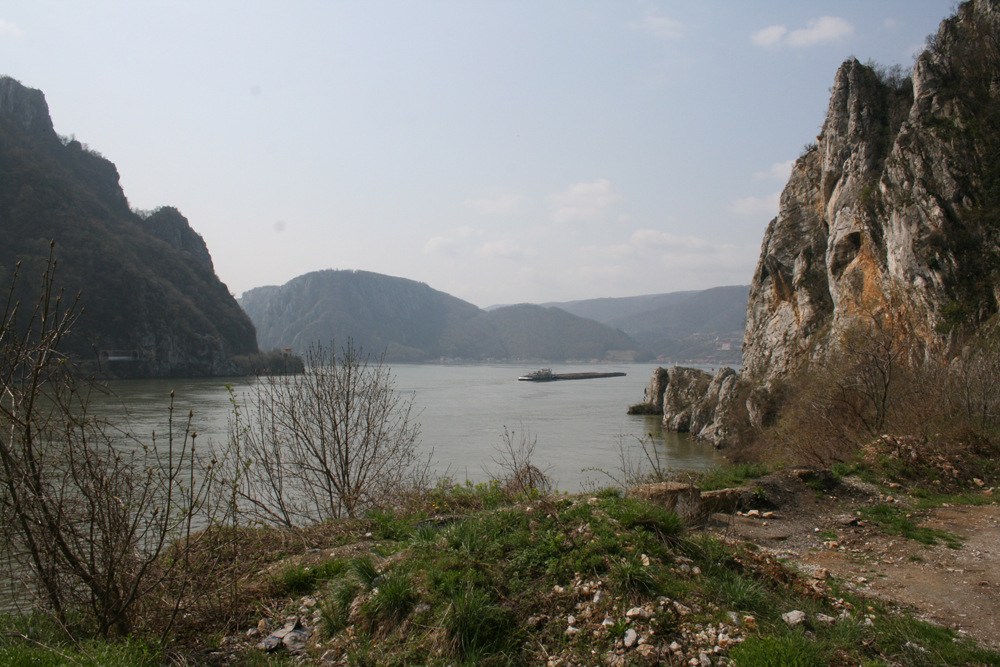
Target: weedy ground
468, 575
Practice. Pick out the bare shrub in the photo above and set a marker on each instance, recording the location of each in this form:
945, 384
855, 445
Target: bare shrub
86, 512
878, 384
512, 466
639, 462
327, 443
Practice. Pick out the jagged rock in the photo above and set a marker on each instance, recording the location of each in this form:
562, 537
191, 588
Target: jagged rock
881, 221
868, 219
693, 400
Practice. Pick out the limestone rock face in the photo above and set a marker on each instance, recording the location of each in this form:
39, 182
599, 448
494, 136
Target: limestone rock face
692, 400
892, 216
881, 214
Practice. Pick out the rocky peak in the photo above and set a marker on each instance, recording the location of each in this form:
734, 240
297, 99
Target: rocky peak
25, 106
885, 213
168, 224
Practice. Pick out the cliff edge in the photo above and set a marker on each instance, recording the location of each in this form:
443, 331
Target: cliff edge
151, 304
889, 221
893, 211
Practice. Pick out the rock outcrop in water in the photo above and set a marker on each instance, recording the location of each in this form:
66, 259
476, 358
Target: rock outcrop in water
892, 216
152, 304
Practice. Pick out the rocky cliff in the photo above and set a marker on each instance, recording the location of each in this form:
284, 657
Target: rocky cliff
151, 303
893, 211
890, 219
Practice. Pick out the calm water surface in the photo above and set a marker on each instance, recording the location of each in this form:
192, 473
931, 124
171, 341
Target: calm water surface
462, 410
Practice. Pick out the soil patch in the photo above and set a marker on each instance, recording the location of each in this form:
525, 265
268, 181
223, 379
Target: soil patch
815, 521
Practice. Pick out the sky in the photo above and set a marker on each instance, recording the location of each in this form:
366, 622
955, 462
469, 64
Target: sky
501, 151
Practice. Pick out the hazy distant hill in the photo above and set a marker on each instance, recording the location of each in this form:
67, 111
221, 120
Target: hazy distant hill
667, 324
150, 295
413, 322
536, 332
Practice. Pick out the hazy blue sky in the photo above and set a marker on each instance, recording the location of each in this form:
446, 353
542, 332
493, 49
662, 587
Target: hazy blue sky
499, 151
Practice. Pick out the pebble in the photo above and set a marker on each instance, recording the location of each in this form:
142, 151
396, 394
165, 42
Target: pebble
794, 618
638, 612
631, 636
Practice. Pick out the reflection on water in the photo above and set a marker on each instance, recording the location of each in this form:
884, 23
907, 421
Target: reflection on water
462, 411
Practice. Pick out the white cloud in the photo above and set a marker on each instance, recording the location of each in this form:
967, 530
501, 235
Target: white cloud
662, 27
779, 171
817, 31
500, 204
583, 202
505, 249
757, 207
769, 36
9, 29
449, 245
442, 244
823, 29
889, 24
671, 242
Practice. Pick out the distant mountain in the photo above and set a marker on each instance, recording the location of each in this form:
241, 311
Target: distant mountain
676, 325
152, 304
610, 309
528, 331
413, 322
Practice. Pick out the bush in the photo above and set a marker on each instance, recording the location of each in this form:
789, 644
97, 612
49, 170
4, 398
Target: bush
393, 598
477, 625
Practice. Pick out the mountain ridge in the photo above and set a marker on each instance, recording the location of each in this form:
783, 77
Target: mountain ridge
411, 321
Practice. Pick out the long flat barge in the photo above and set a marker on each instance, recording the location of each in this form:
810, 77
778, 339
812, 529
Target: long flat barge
546, 375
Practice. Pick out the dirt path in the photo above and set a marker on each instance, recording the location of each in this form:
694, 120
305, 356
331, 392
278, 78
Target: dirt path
956, 588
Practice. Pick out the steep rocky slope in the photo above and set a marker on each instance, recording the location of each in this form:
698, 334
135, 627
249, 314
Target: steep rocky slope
413, 322
152, 304
889, 223
893, 212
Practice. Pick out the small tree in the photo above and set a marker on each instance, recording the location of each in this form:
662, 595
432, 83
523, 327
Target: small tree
327, 443
85, 512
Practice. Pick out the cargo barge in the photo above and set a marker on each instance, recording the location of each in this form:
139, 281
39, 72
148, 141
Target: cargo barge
546, 375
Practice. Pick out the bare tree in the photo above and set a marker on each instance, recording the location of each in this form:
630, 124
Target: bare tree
512, 465
85, 513
327, 443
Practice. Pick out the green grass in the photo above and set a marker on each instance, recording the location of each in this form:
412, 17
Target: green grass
928, 500
365, 571
393, 598
728, 476
893, 521
793, 650
20, 653
478, 625
942, 645
298, 579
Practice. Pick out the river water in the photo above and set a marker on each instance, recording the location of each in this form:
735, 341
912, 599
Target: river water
462, 411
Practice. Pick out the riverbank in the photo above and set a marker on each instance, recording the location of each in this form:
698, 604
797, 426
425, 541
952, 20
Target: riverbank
478, 575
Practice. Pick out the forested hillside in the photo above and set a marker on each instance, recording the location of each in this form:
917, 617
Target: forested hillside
151, 302
412, 322
706, 324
